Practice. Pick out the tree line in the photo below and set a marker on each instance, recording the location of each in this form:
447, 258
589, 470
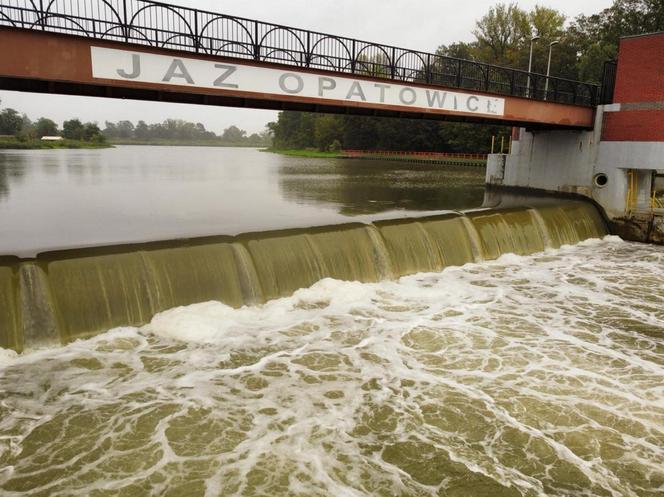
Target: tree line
177, 130
327, 132
23, 128
502, 37
12, 123
585, 43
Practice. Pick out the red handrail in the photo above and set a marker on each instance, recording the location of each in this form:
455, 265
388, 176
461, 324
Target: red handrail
400, 153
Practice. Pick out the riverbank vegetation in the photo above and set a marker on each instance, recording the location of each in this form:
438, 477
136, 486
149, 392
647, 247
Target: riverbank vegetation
328, 133
17, 131
502, 37
179, 132
307, 152
15, 143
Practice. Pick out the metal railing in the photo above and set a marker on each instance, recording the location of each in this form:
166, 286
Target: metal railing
424, 155
169, 26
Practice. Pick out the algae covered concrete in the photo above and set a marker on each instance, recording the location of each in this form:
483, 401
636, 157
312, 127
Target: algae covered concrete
63, 296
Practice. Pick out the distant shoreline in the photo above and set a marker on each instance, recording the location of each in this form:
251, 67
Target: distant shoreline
312, 154
405, 157
13, 143
183, 143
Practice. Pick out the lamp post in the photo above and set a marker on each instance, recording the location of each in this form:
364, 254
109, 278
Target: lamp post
548, 68
530, 63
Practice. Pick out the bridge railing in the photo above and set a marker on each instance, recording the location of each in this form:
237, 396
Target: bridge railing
168, 26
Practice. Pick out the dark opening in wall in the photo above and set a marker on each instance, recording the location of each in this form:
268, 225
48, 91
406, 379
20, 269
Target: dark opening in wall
601, 180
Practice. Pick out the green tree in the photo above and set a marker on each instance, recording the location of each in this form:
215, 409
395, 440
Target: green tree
45, 127
293, 130
124, 129
502, 33
460, 50
110, 130
92, 133
328, 128
597, 36
142, 130
233, 134
11, 122
73, 129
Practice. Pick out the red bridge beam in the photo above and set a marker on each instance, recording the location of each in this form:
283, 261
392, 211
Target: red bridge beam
55, 63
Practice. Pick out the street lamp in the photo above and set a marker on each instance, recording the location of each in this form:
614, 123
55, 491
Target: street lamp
530, 63
548, 68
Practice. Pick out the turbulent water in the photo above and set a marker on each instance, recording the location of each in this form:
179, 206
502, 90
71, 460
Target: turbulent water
527, 376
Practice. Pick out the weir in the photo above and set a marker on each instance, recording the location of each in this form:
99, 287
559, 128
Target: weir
62, 296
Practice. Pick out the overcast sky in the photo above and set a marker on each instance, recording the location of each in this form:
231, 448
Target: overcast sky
418, 24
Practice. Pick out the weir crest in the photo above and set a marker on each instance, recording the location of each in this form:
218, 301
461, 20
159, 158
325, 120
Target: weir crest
62, 296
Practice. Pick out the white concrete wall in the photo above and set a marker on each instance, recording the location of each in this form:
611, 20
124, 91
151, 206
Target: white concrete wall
568, 161
633, 155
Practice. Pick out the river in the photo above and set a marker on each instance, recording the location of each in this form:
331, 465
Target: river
529, 375
51, 199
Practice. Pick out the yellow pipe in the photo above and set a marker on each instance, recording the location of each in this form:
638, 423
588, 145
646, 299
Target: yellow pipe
628, 200
632, 192
493, 142
655, 203
635, 189
653, 199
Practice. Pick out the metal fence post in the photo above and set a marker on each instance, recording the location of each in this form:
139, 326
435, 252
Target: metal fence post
125, 28
427, 69
307, 56
458, 74
353, 58
257, 47
42, 20
196, 34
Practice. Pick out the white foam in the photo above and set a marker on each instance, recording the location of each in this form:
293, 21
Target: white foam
213, 322
535, 372
7, 357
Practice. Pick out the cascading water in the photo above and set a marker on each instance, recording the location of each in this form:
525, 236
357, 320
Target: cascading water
525, 376
62, 296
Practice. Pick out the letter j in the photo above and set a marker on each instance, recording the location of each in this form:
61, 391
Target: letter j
136, 69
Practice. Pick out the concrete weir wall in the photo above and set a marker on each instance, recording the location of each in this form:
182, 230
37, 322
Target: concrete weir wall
62, 296
616, 162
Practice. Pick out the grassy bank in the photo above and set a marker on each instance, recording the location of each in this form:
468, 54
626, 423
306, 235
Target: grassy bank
12, 143
313, 153
306, 153
183, 143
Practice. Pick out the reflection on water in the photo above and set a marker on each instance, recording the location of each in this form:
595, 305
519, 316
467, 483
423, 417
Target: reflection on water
69, 198
12, 172
367, 187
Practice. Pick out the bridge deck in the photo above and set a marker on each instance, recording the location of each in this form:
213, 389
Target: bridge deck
254, 48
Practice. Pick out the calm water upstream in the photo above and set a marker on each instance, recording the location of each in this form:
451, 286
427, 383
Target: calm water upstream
531, 376
71, 198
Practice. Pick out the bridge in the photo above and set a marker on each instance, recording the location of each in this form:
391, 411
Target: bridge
147, 50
